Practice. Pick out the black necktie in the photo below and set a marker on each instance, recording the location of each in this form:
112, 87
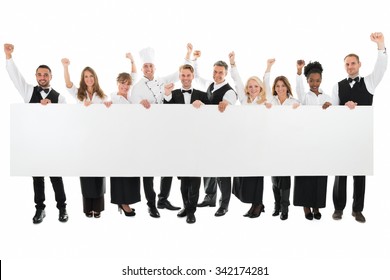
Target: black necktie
355, 79
184, 90
44, 89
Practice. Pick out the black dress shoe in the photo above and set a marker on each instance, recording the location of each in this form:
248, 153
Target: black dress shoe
359, 217
205, 203
220, 212
39, 215
63, 217
153, 212
182, 213
96, 215
166, 205
191, 218
276, 213
284, 216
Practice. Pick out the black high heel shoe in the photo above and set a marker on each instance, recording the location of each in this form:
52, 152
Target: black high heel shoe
250, 211
128, 214
257, 211
308, 213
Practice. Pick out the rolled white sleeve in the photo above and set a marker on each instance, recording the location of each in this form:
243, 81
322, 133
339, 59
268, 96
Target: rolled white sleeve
335, 95
73, 91
230, 96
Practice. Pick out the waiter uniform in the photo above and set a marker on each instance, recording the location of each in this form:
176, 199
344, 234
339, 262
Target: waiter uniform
189, 186
310, 191
216, 94
361, 91
35, 94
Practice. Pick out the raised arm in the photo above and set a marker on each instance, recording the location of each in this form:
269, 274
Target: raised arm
380, 67
174, 77
65, 63
299, 81
24, 89
239, 85
133, 72
266, 79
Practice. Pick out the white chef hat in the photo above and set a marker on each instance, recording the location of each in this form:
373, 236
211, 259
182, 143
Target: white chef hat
147, 55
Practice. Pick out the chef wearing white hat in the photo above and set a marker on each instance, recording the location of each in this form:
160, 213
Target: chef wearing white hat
150, 90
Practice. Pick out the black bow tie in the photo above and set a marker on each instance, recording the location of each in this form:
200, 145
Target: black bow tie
44, 89
355, 79
184, 90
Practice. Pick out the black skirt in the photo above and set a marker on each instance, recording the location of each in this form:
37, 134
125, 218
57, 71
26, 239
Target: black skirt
93, 187
249, 189
125, 190
310, 191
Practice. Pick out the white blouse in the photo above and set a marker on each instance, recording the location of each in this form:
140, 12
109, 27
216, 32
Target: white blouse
95, 98
310, 98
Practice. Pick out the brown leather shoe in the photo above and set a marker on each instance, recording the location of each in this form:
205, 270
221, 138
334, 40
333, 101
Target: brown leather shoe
337, 215
359, 217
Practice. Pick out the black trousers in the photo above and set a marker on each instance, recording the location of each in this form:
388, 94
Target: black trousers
39, 192
281, 187
150, 194
189, 188
165, 188
225, 186
340, 192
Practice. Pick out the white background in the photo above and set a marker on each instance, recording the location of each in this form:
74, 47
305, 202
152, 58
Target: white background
98, 33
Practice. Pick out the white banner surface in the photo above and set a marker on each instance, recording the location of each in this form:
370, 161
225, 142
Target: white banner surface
179, 140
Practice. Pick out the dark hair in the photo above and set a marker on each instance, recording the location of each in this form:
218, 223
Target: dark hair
44, 66
221, 63
313, 67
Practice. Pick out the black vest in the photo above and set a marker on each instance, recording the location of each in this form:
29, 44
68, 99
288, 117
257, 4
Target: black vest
37, 97
358, 93
217, 96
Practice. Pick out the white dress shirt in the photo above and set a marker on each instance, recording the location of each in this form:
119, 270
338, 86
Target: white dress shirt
25, 90
371, 80
187, 96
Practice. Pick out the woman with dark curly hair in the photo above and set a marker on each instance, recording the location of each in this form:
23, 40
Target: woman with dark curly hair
310, 191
